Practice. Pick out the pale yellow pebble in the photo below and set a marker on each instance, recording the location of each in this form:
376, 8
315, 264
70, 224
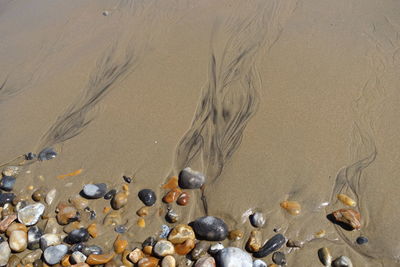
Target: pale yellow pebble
347, 200
141, 222
30, 187
320, 234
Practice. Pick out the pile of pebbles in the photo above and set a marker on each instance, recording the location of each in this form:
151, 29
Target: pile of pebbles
31, 236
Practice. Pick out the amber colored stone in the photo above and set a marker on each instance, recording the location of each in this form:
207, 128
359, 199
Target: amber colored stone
92, 229
254, 243
5, 223
120, 245
125, 187
66, 213
292, 207
172, 195
148, 250
181, 233
124, 259
148, 262
143, 211
171, 183
183, 199
65, 261
345, 199
185, 247
141, 222
95, 259
235, 235
349, 217
106, 210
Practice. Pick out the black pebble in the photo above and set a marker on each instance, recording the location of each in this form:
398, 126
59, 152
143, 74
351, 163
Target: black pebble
30, 156
76, 247
210, 228
362, 240
7, 183
279, 258
47, 154
110, 194
273, 244
92, 250
6, 198
147, 196
150, 241
78, 236
34, 235
127, 179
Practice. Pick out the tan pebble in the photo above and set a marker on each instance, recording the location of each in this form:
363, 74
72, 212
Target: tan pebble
30, 188
119, 200
13, 261
125, 187
292, 207
163, 248
78, 202
185, 247
18, 240
181, 233
205, 261
320, 234
235, 235
172, 195
5, 223
65, 261
294, 243
95, 259
28, 265
73, 226
92, 229
143, 211
10, 171
183, 199
349, 217
347, 200
172, 183
32, 256
66, 213
113, 218
254, 242
148, 250
124, 259
50, 196
120, 245
168, 261
51, 226
148, 262
141, 222
325, 256
136, 255
39, 194
106, 210
8, 209
16, 226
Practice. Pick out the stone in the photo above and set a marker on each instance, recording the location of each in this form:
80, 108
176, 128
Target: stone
34, 235
279, 258
78, 257
136, 255
362, 240
210, 228
5, 253
171, 183
257, 219
121, 229
30, 214
254, 242
272, 245
342, 261
148, 262
50, 196
168, 261
163, 248
235, 235
78, 236
345, 199
205, 262
14, 261
259, 263
48, 240
54, 254
148, 250
183, 199
113, 218
120, 245
51, 226
292, 207
5, 223
10, 171
325, 256
190, 179
18, 241
231, 256
147, 196
127, 179
16, 226
6, 198
39, 194
66, 213
119, 200
150, 241
172, 195
47, 154
30, 156
200, 250
165, 230
349, 217
92, 250
94, 191
7, 183
77, 247
124, 259
92, 230
79, 202
110, 194
171, 216
141, 222
73, 226
294, 243
96, 259
214, 249
143, 211
32, 256
181, 233
185, 247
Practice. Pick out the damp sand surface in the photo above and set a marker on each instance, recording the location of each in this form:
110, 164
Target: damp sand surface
272, 100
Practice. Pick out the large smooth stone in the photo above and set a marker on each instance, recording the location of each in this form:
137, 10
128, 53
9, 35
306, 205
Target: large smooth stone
53, 255
5, 253
190, 179
210, 228
273, 244
94, 191
233, 257
147, 196
30, 214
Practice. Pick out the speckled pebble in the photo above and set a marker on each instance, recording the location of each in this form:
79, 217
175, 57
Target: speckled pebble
147, 196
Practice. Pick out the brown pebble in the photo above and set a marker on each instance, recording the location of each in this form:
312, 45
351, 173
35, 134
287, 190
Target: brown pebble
65, 261
113, 218
124, 259
254, 243
206, 261
148, 262
120, 245
143, 211
294, 243
181, 233
148, 250
349, 217
39, 194
235, 235
136, 255
15, 227
141, 222
66, 213
5, 223
106, 210
172, 183
292, 207
79, 202
172, 195
185, 247
13, 261
92, 229
119, 200
183, 199
95, 259
125, 187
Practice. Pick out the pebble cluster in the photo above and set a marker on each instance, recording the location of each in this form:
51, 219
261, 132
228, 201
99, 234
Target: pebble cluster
30, 234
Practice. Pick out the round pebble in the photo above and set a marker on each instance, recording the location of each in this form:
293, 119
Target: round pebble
47, 154
30, 214
259, 263
190, 179
147, 196
168, 261
181, 233
77, 236
362, 240
119, 200
273, 244
232, 256
94, 191
7, 183
163, 248
127, 179
257, 219
342, 261
53, 255
210, 228
279, 258
18, 241
5, 253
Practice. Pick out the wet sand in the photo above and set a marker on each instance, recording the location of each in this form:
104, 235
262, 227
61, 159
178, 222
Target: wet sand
272, 100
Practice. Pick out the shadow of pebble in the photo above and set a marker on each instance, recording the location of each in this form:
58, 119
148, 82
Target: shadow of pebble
345, 226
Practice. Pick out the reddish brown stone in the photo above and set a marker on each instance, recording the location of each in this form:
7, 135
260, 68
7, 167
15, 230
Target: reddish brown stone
349, 217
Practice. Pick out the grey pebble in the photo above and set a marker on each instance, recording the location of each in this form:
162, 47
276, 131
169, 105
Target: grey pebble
34, 235
362, 240
7, 183
279, 258
47, 154
232, 256
87, 250
342, 261
147, 196
53, 255
273, 244
210, 228
257, 219
94, 191
259, 263
190, 179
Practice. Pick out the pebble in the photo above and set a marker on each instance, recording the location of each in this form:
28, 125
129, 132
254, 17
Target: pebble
136, 255
150, 241
235, 235
124, 259
200, 250
257, 219
210, 228
14, 261
147, 196
232, 256
77, 247
120, 229
51, 226
5, 253
190, 179
325, 256
320, 234
47, 154
165, 230
279, 258
119, 200
50, 196
292, 207
18, 241
110, 194
273, 244
183, 199
148, 250
185, 247
205, 262
347, 200
342, 261
34, 235
181, 233
48, 240
171, 216
92, 230
5, 223
168, 261
214, 249
113, 218
66, 213
78, 236
259, 263
10, 171
254, 242
106, 13
94, 191
120, 245
127, 179
72, 226
92, 250
143, 211
6, 198
148, 262
361, 240
38, 194
31, 257
30, 156
294, 243
349, 217
7, 183
163, 248
172, 195
15, 227
97, 259
171, 183
54, 254
78, 257
141, 222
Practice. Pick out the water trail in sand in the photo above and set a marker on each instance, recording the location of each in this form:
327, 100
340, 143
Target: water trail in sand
230, 96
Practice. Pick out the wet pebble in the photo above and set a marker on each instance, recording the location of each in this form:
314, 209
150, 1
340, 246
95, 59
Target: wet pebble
279, 258
294, 243
120, 229
325, 256
51, 226
165, 230
92, 230
6, 198
10, 171
120, 245
32, 256
14, 261
210, 228
110, 194
94, 191
200, 250
259, 263
78, 236
78, 257
7, 183
113, 218
171, 216
30, 214
98, 259
66, 213
148, 262
92, 250
257, 219
172, 195
77, 247
185, 247
205, 262
292, 207
47, 154
150, 241
48, 240
39, 194
349, 217
18, 241
147, 196
235, 235
50, 196
254, 242
232, 256
181, 233
30, 156
136, 255
168, 261
190, 179
183, 199
342, 261
119, 200
362, 240
163, 248
127, 179
214, 249
34, 235
273, 244
5, 253
143, 211
347, 200
5, 223
53, 255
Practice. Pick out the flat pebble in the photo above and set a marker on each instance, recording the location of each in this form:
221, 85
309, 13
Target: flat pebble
325, 256
30, 214
78, 236
78, 257
7, 220
279, 258
53, 255
273, 244
362, 240
232, 256
257, 219
32, 256
205, 262
163, 248
349, 217
259, 263
98, 259
342, 261
120, 229
94, 191
147, 196
48, 240
110, 194
7, 183
210, 228
47, 154
190, 179
5, 253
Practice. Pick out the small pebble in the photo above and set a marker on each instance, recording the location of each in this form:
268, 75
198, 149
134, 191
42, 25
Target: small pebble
119, 200
106, 13
147, 196
232, 256
7, 183
78, 257
6, 198
51, 226
5, 253
98, 259
148, 250
163, 248
172, 183
32, 256
34, 235
141, 222
48, 240
92, 230
349, 217
30, 214
190, 179
165, 230
92, 250
361, 240
183, 199
279, 258
185, 247
259, 263
7, 220
120, 245
30, 156
150, 241
53, 255
14, 261
50, 196
172, 195
66, 213
168, 261
143, 211
78, 236
181, 233
171, 216
325, 256
148, 262
257, 219
235, 235
10, 171
136, 255
273, 244
210, 228
205, 262
94, 191
254, 242
18, 241
320, 234
127, 179
200, 250
38, 194
294, 243
347, 200
292, 207
214, 249
113, 218
110, 194
120, 229
47, 154
342, 261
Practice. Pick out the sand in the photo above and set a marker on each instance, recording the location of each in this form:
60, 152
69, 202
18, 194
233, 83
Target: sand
272, 100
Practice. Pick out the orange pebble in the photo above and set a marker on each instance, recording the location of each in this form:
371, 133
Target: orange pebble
183, 199
92, 229
172, 183
141, 222
148, 250
172, 195
185, 247
106, 210
95, 259
65, 261
120, 245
